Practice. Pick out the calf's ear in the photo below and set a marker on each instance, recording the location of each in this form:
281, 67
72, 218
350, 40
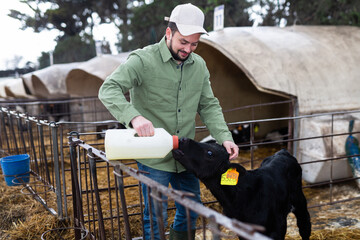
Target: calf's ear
240, 169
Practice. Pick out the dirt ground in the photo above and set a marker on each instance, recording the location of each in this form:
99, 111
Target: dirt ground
21, 217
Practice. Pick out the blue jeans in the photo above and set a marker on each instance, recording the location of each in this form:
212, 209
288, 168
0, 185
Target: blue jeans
184, 181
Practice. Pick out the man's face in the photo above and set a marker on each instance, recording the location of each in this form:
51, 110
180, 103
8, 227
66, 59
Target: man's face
181, 46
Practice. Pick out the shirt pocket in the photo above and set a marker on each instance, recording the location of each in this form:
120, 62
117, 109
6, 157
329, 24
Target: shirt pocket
161, 92
192, 96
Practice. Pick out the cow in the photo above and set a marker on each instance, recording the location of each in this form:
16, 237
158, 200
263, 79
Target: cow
264, 196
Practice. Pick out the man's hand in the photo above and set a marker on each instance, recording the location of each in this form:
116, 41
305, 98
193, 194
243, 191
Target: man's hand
142, 126
232, 149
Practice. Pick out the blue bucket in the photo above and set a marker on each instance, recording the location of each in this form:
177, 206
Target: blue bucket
16, 169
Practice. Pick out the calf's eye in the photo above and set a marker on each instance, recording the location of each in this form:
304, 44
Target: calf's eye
210, 153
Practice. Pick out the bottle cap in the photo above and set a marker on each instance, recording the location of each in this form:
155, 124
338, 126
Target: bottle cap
175, 142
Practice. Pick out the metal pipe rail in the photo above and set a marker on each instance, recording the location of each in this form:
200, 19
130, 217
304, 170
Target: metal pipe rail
46, 143
158, 191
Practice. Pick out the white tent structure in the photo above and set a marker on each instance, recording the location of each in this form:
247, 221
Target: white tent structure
3, 84
50, 81
86, 78
318, 65
16, 89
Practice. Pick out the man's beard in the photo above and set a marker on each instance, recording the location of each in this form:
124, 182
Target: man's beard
176, 55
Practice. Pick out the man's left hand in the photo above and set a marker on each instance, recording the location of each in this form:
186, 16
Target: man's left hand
232, 149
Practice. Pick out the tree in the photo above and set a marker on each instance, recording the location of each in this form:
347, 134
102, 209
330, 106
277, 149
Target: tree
118, 12
72, 18
304, 12
74, 49
69, 17
236, 12
148, 24
324, 12
44, 60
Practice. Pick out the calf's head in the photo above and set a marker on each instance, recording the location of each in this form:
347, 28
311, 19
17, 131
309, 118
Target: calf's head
202, 159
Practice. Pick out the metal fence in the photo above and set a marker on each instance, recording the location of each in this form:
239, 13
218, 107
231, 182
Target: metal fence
34, 132
77, 181
110, 205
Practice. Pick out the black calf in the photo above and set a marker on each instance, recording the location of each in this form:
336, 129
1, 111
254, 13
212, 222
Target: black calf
264, 196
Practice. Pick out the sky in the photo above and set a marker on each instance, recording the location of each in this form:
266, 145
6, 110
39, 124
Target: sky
28, 45
15, 43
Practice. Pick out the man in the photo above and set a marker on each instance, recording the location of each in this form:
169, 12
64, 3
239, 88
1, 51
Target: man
168, 85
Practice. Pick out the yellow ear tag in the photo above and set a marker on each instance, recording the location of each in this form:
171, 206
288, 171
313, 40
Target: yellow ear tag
230, 177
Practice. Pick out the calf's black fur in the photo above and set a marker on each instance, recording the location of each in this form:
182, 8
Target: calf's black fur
264, 196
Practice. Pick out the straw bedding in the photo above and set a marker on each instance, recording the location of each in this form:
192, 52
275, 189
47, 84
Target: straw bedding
21, 217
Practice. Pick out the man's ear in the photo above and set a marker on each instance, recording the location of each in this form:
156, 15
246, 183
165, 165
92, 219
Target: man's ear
168, 33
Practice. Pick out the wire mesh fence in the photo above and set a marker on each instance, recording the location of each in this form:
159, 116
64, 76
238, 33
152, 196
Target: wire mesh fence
73, 179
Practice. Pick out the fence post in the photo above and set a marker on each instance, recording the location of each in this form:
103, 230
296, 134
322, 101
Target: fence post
43, 152
61, 144
32, 145
158, 206
77, 202
2, 131
119, 177
214, 227
92, 164
290, 144
21, 132
55, 148
12, 131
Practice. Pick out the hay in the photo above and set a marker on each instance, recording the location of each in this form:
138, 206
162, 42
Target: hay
21, 217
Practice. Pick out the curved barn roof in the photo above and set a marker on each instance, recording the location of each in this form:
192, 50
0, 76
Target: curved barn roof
320, 65
16, 89
92, 74
50, 81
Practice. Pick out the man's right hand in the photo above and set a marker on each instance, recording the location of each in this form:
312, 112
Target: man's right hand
142, 126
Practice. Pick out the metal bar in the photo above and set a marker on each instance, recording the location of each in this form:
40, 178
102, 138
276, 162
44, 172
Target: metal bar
156, 196
77, 202
123, 201
257, 105
245, 230
12, 131
43, 152
5, 133
97, 196
40, 200
141, 209
32, 145
110, 201
21, 133
117, 202
150, 211
55, 149
63, 171
290, 146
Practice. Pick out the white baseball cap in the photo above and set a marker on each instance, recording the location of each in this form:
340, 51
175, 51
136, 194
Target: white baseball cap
188, 18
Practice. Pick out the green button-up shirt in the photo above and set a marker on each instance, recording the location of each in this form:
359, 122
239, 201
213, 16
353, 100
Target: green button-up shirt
167, 94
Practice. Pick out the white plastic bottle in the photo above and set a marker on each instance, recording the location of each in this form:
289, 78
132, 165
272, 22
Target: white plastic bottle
125, 144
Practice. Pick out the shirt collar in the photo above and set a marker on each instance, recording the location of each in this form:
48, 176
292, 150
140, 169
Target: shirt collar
166, 55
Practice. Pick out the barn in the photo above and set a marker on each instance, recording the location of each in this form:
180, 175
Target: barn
315, 66
313, 69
